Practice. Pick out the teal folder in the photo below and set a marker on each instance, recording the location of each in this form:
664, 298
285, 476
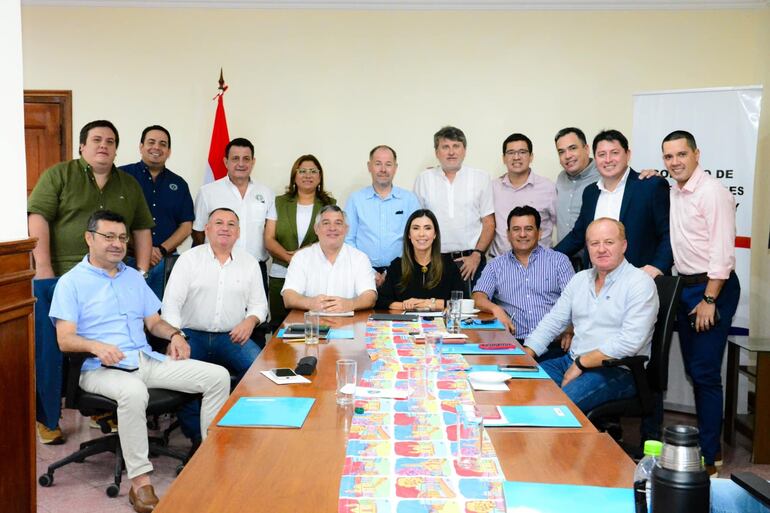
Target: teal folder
475, 349
268, 412
539, 374
560, 498
475, 324
334, 333
538, 416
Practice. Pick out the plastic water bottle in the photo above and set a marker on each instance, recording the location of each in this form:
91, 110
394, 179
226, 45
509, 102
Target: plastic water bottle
643, 476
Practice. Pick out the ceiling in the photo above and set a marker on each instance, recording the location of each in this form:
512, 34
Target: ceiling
406, 5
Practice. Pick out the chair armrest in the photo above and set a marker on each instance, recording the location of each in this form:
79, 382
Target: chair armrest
73, 362
638, 372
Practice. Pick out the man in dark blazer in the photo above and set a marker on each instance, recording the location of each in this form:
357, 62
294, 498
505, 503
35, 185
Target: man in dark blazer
642, 205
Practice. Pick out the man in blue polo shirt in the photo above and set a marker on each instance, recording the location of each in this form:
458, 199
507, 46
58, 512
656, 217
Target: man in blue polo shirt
168, 197
377, 213
520, 286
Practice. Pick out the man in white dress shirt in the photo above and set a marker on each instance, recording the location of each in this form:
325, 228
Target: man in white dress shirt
249, 199
457, 195
215, 295
330, 276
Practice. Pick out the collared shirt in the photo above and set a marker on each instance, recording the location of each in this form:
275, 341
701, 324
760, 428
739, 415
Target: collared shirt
311, 274
109, 309
168, 197
66, 195
618, 321
703, 227
204, 295
376, 225
526, 293
459, 205
609, 202
569, 192
252, 211
538, 192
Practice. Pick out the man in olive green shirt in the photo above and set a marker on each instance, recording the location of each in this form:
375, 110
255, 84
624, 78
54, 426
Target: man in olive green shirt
58, 211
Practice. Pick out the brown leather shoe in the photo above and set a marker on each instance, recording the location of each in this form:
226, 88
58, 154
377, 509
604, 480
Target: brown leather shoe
144, 500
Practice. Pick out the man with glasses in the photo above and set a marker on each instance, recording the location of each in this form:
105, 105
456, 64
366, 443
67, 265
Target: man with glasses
215, 295
103, 307
249, 199
377, 213
457, 194
58, 208
519, 186
330, 276
168, 197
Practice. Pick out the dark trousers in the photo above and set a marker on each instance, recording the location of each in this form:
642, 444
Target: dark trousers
471, 282
702, 354
48, 357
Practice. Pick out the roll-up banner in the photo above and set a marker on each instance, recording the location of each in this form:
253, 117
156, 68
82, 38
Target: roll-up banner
725, 123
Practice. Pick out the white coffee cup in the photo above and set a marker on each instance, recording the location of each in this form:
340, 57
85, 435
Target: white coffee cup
468, 306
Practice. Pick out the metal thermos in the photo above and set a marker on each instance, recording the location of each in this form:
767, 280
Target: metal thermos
680, 483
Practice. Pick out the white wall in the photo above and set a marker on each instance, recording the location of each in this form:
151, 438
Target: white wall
14, 175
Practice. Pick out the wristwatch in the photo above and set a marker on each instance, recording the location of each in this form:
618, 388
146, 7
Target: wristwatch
163, 250
580, 365
143, 273
478, 251
709, 299
180, 333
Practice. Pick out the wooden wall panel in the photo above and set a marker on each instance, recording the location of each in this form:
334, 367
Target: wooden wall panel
17, 379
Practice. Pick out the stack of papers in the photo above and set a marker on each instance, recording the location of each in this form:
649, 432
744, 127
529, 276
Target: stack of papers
558, 498
538, 374
284, 380
288, 412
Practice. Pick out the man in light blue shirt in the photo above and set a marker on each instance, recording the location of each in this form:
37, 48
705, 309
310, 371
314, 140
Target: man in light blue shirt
101, 307
377, 214
613, 307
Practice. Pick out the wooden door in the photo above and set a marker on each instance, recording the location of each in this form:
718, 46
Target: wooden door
47, 131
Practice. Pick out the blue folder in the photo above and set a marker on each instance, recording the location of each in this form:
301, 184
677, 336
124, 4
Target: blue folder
538, 416
475, 349
268, 412
561, 498
334, 333
540, 374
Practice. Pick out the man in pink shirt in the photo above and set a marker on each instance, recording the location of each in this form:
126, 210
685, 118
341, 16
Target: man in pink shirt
518, 187
703, 242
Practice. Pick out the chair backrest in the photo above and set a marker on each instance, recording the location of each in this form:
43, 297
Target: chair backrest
170, 261
669, 289
71, 365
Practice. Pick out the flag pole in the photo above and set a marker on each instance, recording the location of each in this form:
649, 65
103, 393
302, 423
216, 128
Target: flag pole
222, 87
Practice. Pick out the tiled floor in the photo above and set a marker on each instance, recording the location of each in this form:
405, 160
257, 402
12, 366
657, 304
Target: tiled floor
80, 487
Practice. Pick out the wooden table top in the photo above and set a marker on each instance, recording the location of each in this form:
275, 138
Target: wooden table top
276, 470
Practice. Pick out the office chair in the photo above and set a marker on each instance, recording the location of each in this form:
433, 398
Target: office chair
653, 379
161, 401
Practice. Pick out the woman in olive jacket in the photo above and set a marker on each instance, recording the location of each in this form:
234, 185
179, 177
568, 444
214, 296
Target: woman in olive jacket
289, 224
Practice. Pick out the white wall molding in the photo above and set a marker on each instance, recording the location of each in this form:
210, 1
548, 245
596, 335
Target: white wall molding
422, 5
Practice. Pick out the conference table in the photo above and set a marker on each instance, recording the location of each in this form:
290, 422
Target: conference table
290, 470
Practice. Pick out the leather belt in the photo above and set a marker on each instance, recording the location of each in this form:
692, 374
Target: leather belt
694, 279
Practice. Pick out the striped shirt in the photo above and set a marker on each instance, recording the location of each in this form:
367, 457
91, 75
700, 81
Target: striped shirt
526, 293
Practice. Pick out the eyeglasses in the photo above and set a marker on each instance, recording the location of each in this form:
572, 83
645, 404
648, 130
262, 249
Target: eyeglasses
111, 237
517, 153
309, 171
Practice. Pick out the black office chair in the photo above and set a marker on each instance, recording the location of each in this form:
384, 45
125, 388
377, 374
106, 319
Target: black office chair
653, 379
161, 401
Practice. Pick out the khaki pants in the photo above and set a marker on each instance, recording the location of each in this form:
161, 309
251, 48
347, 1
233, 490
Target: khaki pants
129, 390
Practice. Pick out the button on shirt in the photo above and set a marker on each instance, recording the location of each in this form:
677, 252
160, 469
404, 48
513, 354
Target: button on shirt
609, 202
618, 321
538, 192
168, 197
252, 211
569, 197
109, 309
376, 225
526, 293
204, 295
311, 274
703, 227
459, 205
